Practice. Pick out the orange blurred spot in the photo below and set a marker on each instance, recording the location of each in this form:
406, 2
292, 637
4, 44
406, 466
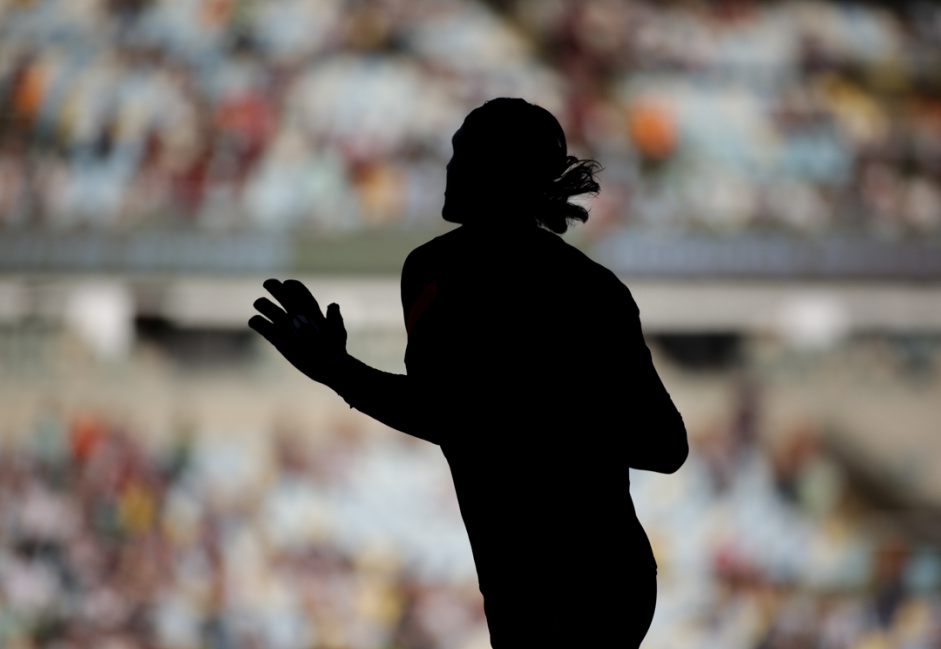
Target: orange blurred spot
379, 185
85, 434
651, 127
27, 97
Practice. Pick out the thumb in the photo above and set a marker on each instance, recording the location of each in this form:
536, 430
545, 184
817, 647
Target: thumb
334, 324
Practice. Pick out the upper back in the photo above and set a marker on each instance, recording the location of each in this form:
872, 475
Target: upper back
524, 318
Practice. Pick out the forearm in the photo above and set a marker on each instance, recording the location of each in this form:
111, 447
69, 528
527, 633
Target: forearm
660, 442
392, 399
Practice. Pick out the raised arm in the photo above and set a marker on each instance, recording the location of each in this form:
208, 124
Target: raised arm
316, 345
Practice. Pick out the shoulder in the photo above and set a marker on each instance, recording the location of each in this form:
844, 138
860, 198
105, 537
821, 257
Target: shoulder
596, 284
424, 265
579, 262
432, 252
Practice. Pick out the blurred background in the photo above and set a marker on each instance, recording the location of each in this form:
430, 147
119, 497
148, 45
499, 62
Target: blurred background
771, 193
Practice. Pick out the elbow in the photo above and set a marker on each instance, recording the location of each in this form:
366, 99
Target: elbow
673, 455
666, 460
677, 458
669, 463
680, 448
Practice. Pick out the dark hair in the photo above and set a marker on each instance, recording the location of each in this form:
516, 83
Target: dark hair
520, 149
577, 179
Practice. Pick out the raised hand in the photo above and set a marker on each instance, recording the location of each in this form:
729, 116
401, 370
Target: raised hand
313, 343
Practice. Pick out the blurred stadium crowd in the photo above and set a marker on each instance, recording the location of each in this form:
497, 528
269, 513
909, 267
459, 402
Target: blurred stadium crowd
226, 543
350, 541
799, 117
796, 116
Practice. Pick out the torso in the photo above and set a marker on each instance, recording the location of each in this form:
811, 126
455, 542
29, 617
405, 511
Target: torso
545, 495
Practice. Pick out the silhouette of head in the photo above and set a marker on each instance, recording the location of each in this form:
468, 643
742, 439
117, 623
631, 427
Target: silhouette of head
511, 165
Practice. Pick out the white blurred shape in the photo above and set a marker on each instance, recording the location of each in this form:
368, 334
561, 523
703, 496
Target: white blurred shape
26, 586
230, 466
290, 29
371, 105
176, 621
101, 315
812, 321
468, 37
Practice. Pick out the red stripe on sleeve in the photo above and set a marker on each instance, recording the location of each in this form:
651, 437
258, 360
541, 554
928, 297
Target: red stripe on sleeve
420, 304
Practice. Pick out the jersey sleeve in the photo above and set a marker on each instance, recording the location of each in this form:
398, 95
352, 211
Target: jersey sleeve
657, 439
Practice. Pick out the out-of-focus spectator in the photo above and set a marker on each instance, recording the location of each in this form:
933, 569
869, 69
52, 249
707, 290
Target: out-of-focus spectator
806, 117
352, 539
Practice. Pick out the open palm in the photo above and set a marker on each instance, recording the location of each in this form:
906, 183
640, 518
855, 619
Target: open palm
312, 342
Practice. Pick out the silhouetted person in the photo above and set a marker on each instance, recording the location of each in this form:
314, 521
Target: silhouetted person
527, 365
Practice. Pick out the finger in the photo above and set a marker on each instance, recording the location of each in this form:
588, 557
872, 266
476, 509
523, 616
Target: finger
286, 296
333, 314
334, 323
265, 328
268, 308
271, 284
295, 298
301, 300
276, 289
